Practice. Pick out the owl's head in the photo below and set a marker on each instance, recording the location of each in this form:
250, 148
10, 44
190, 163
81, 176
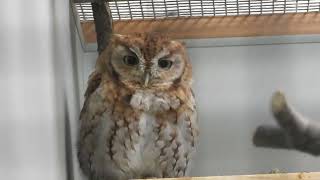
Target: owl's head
146, 61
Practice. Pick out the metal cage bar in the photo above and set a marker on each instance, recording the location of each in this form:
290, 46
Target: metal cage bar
159, 9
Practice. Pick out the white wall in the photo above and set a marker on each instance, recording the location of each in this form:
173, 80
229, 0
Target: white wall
233, 86
36, 84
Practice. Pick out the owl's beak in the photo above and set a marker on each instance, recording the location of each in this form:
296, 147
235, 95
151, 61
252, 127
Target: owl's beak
146, 79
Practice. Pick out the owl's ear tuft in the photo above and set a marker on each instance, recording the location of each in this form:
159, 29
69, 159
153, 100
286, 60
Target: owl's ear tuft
181, 42
118, 36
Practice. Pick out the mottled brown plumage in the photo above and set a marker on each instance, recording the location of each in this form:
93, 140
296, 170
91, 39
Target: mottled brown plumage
139, 117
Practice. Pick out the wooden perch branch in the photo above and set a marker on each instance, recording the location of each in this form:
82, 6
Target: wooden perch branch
295, 131
103, 23
289, 176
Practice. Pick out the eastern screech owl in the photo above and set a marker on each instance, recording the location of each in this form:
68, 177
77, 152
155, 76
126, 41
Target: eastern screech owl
139, 116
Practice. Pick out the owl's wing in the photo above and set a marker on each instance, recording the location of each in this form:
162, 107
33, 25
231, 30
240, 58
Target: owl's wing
93, 83
189, 122
89, 121
187, 125
188, 114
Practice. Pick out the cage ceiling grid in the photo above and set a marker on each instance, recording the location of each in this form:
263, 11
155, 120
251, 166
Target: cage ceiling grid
160, 9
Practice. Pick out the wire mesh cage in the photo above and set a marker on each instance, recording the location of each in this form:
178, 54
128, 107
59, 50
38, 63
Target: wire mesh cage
160, 9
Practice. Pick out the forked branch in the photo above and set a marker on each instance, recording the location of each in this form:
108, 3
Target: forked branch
294, 132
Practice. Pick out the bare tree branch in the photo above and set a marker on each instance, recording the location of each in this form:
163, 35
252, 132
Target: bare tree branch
271, 137
103, 23
90, 1
295, 131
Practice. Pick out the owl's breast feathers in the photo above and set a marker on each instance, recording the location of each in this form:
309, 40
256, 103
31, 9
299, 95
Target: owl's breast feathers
117, 141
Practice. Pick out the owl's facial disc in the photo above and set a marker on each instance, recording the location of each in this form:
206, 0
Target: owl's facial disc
127, 66
148, 63
166, 67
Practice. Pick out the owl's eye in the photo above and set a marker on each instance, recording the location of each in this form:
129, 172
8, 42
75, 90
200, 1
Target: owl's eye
164, 63
130, 60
